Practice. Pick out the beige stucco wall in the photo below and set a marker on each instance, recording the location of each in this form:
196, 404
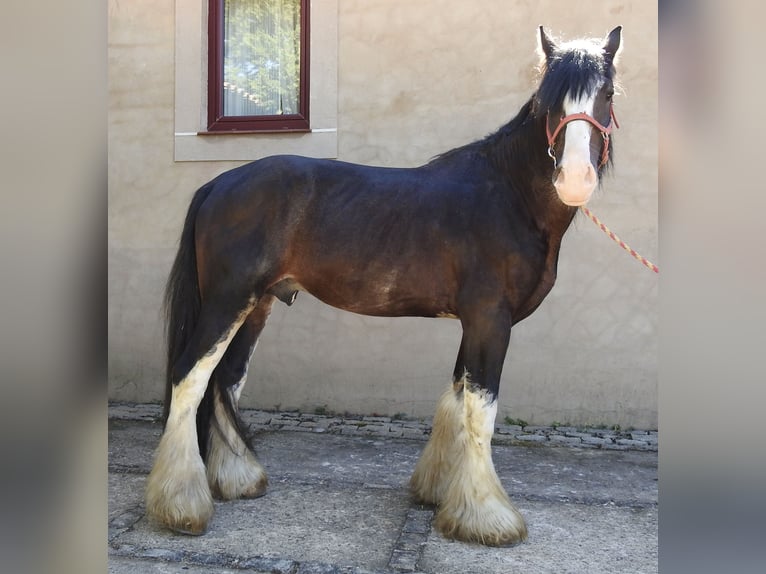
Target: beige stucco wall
413, 79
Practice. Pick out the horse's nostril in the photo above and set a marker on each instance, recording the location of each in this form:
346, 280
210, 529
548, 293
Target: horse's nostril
590, 176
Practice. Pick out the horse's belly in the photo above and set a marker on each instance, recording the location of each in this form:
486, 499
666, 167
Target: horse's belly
381, 296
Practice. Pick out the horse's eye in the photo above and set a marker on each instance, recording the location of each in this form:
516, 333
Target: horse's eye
609, 95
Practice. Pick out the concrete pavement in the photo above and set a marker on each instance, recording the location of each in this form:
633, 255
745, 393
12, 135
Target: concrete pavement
338, 503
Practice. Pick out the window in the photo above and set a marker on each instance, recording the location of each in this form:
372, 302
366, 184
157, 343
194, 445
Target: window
258, 76
193, 141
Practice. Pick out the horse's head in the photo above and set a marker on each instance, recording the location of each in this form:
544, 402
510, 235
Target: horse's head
575, 102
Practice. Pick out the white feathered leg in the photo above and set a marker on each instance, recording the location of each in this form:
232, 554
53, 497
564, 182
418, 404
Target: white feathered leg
232, 469
456, 472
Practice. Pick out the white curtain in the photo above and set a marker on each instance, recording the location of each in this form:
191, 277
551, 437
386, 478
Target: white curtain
261, 57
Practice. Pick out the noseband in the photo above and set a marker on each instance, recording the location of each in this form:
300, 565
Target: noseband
605, 131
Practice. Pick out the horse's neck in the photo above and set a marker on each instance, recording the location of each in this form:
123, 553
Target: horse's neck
521, 157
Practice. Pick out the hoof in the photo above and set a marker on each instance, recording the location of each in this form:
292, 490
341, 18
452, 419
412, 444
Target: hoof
192, 530
493, 522
233, 474
179, 513
233, 490
257, 489
179, 499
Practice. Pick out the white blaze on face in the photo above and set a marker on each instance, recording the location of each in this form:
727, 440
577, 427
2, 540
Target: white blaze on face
577, 178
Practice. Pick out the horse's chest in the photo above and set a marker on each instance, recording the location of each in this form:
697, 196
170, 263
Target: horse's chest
529, 280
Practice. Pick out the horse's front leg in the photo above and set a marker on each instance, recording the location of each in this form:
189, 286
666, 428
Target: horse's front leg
455, 470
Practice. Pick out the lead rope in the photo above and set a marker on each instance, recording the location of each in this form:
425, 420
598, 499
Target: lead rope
619, 241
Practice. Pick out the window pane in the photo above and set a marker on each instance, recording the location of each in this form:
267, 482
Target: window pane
261, 73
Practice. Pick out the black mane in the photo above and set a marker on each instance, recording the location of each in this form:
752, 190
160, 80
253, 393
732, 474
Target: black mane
575, 68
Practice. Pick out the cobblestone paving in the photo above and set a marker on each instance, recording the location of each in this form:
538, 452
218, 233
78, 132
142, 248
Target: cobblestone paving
393, 427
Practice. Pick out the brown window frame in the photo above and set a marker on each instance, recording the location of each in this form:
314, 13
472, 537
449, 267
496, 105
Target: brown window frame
219, 123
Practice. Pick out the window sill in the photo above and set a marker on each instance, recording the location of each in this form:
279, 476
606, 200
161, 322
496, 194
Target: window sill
202, 146
253, 132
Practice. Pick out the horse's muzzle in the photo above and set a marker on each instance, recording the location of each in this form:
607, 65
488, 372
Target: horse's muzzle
575, 182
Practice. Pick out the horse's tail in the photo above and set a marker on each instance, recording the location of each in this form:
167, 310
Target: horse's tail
182, 309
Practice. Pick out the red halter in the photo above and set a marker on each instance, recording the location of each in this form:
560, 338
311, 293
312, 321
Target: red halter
605, 131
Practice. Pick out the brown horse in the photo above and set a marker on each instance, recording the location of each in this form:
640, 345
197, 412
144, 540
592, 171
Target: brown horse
473, 235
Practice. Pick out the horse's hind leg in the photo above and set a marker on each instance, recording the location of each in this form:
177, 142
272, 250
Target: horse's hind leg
177, 492
232, 468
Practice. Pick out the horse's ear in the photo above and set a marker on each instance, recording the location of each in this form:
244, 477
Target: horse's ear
546, 45
612, 44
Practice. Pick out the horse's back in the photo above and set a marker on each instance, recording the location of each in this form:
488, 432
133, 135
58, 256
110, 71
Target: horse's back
307, 195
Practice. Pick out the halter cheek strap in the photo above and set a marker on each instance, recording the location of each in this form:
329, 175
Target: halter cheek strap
605, 131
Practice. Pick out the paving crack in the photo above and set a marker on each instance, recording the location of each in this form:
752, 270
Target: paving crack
586, 501
124, 521
260, 564
257, 563
408, 549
